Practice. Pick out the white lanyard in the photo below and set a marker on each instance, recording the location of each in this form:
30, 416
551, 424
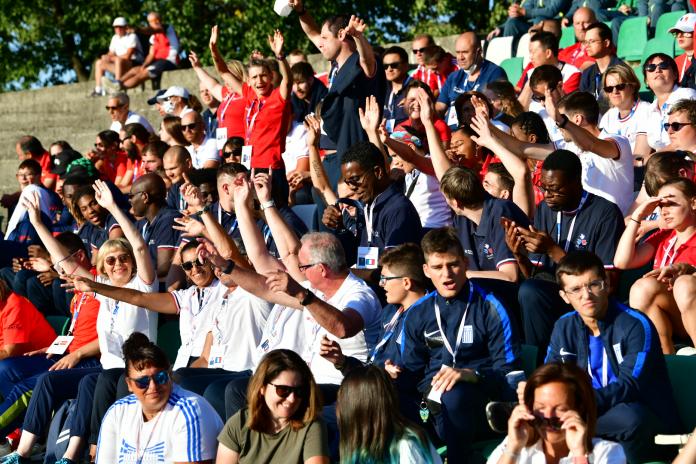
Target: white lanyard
569, 237
251, 121
76, 313
223, 307
138, 455
114, 313
605, 369
666, 256
460, 331
369, 216
223, 110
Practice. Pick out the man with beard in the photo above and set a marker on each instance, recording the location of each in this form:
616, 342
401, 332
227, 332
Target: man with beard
568, 219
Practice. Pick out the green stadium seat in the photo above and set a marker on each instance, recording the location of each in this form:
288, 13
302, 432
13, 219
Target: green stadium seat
59, 323
666, 22
567, 37
682, 375
168, 339
639, 74
632, 38
658, 45
513, 68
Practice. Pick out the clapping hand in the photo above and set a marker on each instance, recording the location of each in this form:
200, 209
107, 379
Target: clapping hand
276, 42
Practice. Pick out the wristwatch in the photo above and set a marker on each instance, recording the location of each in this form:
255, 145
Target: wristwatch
307, 299
267, 204
229, 267
205, 209
564, 121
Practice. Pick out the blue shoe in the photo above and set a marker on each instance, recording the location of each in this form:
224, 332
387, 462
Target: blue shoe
15, 458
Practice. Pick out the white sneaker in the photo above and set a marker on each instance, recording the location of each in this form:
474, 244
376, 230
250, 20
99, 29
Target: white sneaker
672, 439
687, 351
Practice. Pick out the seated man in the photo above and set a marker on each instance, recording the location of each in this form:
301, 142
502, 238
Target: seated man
203, 149
520, 18
681, 126
440, 64
599, 46
118, 107
395, 61
620, 349
576, 54
29, 147
683, 31
459, 346
124, 52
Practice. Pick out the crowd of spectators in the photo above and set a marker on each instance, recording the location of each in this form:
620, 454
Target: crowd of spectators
355, 259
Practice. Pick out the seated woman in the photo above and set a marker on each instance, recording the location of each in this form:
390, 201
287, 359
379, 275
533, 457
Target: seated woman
673, 243
556, 420
160, 421
370, 425
281, 423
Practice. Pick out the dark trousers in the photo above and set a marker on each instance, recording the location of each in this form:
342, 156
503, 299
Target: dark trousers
209, 383
540, 308
79, 421
20, 368
110, 386
17, 281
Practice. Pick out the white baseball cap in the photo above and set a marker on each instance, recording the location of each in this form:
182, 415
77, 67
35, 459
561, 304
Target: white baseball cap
174, 91
120, 22
685, 23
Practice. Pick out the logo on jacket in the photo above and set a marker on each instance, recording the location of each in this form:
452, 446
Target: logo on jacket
581, 241
488, 251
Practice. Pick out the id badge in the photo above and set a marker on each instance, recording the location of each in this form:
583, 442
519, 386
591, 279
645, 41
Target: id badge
114, 344
60, 344
217, 352
368, 257
246, 156
452, 119
220, 137
390, 125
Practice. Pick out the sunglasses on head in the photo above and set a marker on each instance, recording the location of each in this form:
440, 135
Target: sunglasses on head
160, 378
191, 127
553, 422
652, 66
285, 390
111, 260
394, 65
675, 126
418, 50
187, 266
619, 87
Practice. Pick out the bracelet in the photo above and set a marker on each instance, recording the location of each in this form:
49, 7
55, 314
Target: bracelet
637, 222
267, 204
280, 57
205, 209
229, 267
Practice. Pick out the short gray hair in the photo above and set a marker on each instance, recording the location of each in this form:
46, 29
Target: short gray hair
122, 98
325, 248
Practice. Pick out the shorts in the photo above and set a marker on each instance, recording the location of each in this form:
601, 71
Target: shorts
157, 67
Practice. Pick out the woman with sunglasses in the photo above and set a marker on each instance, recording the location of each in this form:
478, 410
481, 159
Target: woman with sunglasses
159, 421
370, 425
282, 421
555, 422
629, 115
662, 77
673, 243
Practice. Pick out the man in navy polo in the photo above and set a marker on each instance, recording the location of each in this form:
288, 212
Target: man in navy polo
459, 345
390, 218
395, 61
473, 74
568, 219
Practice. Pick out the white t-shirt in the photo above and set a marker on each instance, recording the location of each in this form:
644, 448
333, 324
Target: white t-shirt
185, 431
658, 137
410, 452
603, 452
20, 211
120, 46
295, 146
298, 330
607, 178
636, 123
195, 307
555, 133
133, 117
207, 151
116, 320
428, 199
237, 325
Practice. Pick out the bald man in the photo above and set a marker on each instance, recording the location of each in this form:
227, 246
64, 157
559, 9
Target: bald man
473, 74
176, 162
203, 149
576, 54
156, 220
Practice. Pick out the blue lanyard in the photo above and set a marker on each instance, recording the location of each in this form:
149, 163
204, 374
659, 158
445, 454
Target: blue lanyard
391, 327
76, 313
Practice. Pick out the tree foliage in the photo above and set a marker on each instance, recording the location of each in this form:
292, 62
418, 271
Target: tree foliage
43, 42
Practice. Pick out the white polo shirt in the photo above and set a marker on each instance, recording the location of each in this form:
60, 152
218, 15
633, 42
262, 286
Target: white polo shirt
206, 151
636, 123
658, 137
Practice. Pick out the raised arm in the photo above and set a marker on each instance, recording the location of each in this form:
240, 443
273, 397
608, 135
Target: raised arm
406, 153
159, 302
208, 81
320, 180
307, 22
370, 121
146, 270
437, 151
220, 66
629, 254
356, 29
524, 150
59, 254
276, 42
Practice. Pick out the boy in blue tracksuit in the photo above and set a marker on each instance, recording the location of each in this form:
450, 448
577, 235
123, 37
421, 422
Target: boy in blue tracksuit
459, 346
620, 350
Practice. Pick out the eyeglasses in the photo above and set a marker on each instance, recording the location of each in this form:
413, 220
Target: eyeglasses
160, 378
57, 266
394, 65
356, 181
111, 260
591, 41
618, 87
191, 127
304, 267
549, 192
652, 66
187, 266
384, 279
686, 35
594, 287
553, 422
418, 50
112, 108
675, 126
285, 390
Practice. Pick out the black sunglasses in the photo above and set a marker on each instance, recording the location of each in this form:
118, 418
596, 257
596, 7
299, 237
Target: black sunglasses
619, 87
285, 390
652, 67
227, 154
160, 378
187, 266
394, 65
109, 108
675, 126
418, 50
553, 422
191, 127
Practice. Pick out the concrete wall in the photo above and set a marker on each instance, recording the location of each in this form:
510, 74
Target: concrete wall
66, 112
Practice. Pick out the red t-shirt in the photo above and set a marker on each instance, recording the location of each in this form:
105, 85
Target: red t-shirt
22, 323
231, 113
434, 79
46, 164
266, 122
571, 77
111, 169
683, 63
665, 254
575, 55
85, 330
